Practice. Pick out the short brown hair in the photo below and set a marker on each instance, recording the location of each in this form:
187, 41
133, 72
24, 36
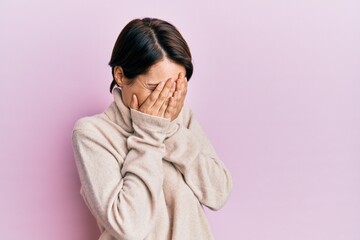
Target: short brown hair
144, 42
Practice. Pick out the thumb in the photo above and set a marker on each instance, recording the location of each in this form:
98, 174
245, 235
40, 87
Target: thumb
134, 104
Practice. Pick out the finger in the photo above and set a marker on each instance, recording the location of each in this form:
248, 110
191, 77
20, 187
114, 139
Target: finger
178, 78
179, 100
182, 98
150, 100
178, 96
134, 104
173, 88
163, 95
175, 95
185, 83
163, 108
182, 90
181, 75
181, 84
170, 108
172, 104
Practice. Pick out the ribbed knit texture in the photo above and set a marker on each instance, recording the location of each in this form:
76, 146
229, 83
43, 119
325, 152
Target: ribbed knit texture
146, 177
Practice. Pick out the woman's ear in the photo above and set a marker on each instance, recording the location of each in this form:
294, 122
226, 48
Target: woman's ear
119, 76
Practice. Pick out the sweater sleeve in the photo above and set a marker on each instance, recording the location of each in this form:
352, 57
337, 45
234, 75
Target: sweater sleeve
124, 199
189, 149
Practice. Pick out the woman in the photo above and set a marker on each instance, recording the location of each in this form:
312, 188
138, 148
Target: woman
145, 164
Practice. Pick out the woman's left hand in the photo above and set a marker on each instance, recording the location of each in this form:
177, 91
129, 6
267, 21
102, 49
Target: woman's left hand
176, 102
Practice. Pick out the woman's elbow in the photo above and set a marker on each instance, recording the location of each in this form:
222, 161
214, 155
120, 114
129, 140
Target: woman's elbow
127, 225
223, 194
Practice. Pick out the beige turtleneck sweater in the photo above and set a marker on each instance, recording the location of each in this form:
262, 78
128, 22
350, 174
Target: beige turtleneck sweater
146, 177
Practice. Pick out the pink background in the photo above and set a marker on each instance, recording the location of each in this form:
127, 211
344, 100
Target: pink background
276, 86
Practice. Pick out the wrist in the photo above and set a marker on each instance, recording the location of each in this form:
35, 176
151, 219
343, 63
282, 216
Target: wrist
149, 122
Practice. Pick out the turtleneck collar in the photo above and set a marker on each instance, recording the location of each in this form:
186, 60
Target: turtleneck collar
119, 112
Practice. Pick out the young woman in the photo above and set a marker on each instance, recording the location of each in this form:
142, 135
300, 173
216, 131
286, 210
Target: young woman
146, 166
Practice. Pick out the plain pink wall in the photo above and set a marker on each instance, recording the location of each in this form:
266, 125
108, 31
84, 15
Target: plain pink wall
276, 86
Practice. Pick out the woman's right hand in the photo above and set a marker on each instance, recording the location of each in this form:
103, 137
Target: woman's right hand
158, 100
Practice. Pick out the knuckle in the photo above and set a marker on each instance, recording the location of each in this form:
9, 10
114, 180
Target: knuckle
152, 97
162, 97
169, 84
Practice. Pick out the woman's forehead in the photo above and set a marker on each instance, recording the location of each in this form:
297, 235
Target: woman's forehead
162, 71
154, 81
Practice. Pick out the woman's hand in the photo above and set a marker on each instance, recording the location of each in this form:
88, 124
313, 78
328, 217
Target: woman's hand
157, 102
177, 100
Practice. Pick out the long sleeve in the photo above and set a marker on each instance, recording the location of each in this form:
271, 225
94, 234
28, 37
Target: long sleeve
124, 199
189, 149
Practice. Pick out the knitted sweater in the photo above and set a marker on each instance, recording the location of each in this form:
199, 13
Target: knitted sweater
146, 177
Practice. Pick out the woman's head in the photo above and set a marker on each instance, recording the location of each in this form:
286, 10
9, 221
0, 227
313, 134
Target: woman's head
148, 51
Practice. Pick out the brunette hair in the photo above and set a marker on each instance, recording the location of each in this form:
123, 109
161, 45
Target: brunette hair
144, 42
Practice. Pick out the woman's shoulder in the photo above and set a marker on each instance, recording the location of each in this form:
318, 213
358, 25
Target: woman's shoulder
98, 129
89, 123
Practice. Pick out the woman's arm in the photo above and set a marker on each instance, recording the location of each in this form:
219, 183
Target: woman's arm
193, 154
124, 200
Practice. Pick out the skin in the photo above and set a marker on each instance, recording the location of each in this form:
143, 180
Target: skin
160, 92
